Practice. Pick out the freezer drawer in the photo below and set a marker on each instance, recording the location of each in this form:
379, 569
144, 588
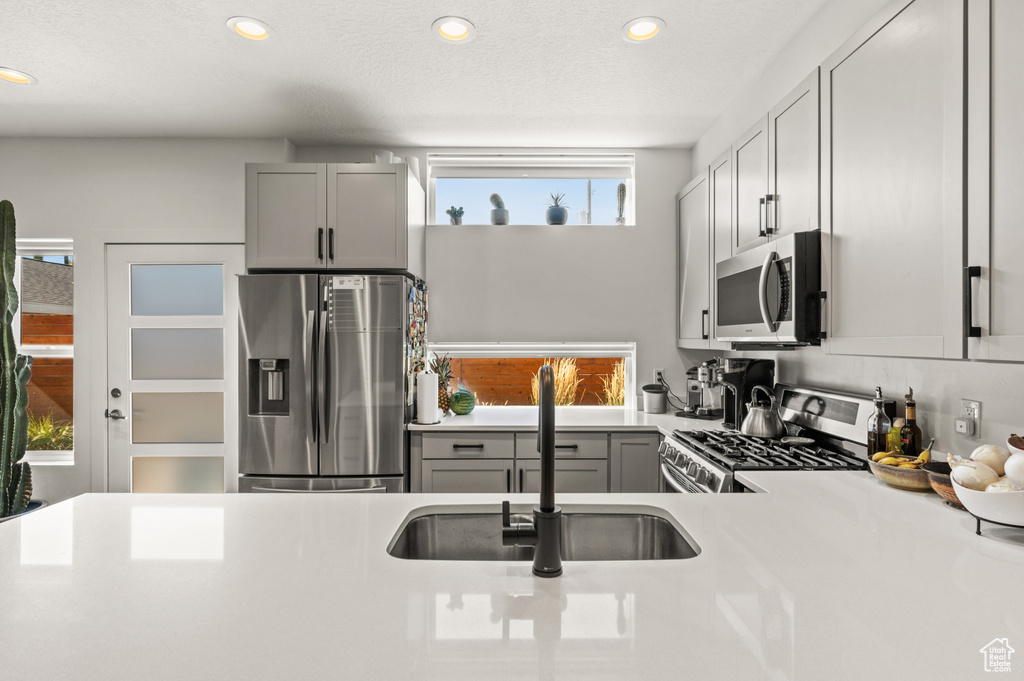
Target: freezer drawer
250, 483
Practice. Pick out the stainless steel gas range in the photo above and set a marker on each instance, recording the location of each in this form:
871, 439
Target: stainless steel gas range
827, 431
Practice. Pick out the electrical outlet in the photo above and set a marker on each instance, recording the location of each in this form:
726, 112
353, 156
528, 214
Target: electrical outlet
659, 375
969, 423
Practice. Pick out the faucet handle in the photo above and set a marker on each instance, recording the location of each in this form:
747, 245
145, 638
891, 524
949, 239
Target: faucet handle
506, 515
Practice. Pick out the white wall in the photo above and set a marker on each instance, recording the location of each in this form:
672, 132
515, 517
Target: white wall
938, 385
548, 283
96, 190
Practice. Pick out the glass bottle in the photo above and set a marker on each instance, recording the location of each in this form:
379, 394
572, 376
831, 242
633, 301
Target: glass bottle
879, 426
910, 434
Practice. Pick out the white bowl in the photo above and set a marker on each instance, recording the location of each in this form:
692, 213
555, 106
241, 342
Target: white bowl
1013, 450
1001, 507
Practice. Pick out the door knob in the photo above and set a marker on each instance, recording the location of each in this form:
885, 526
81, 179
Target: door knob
114, 414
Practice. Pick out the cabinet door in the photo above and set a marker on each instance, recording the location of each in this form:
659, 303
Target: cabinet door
367, 215
720, 179
793, 154
571, 475
996, 166
635, 464
285, 215
750, 188
694, 249
892, 192
446, 476
568, 445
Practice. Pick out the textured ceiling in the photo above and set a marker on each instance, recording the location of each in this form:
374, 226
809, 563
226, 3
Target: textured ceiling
539, 72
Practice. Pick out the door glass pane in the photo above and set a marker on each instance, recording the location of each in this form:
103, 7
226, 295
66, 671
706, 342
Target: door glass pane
177, 353
178, 417
178, 474
177, 290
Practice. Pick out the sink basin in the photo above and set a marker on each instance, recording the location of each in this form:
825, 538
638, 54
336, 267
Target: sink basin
473, 532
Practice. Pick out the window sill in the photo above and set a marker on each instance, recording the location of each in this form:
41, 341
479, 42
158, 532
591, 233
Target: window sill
50, 458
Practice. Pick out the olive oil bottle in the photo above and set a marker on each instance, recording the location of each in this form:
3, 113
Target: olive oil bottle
879, 426
910, 434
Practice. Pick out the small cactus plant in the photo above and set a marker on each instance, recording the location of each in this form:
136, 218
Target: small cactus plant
497, 202
499, 216
556, 200
456, 214
621, 196
15, 372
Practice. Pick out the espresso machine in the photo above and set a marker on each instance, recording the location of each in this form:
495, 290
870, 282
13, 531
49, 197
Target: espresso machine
702, 397
738, 378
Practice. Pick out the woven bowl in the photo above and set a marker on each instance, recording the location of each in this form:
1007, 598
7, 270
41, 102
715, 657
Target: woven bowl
913, 479
938, 478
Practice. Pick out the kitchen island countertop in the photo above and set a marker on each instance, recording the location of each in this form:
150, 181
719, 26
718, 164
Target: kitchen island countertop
827, 575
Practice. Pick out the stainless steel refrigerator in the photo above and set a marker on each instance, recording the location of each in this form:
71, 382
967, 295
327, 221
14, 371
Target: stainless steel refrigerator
326, 364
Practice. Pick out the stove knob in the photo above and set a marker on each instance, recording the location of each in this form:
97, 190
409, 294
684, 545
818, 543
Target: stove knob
692, 468
663, 448
702, 476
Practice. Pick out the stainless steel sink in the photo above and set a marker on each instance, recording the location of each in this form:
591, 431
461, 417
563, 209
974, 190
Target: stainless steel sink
473, 532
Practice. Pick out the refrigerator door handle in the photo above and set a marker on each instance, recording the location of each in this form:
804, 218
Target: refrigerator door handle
307, 357
321, 371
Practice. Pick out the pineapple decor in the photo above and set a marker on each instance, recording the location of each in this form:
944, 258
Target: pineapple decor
442, 366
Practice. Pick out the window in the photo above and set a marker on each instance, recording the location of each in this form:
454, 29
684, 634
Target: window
44, 330
525, 182
502, 374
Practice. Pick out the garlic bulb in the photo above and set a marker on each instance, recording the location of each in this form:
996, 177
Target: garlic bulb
971, 474
992, 456
1002, 485
1014, 469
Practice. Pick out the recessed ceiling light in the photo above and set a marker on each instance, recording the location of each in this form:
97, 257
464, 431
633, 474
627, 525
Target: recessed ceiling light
15, 76
453, 29
642, 28
250, 28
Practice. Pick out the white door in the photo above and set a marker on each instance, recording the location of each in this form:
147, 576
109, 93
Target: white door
172, 347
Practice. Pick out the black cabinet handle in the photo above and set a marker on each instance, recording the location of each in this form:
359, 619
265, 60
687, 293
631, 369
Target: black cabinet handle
320, 244
330, 244
705, 317
970, 331
520, 480
769, 213
567, 446
508, 484
480, 446
762, 217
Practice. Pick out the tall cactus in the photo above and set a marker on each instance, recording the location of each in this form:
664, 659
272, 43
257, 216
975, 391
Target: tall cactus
497, 202
15, 474
621, 196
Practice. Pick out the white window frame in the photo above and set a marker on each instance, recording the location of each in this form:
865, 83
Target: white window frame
512, 165
626, 351
27, 248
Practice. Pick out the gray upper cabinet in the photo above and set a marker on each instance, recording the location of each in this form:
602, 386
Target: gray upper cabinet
694, 265
750, 188
793, 148
995, 167
892, 183
285, 215
338, 216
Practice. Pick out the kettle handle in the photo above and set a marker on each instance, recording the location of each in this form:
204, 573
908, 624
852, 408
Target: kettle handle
766, 391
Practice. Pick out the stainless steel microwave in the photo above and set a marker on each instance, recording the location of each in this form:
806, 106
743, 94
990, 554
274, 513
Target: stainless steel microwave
771, 294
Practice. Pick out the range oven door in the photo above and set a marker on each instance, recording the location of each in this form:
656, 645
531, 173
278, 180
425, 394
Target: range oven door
770, 294
674, 481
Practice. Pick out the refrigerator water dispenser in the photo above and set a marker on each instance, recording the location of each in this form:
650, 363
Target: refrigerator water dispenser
268, 387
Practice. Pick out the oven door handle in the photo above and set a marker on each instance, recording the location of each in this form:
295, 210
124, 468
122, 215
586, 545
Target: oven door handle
672, 482
762, 291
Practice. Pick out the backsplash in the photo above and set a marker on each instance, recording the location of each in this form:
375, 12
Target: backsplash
938, 386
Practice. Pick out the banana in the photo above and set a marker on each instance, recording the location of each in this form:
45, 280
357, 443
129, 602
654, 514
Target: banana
889, 461
879, 456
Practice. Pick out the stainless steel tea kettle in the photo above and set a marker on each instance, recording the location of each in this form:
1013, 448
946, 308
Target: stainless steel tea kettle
763, 421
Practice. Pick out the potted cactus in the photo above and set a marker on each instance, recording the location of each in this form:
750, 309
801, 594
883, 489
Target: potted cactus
499, 216
456, 214
621, 196
558, 212
15, 474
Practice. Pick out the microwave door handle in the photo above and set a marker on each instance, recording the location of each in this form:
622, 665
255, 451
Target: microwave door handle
307, 359
321, 378
762, 291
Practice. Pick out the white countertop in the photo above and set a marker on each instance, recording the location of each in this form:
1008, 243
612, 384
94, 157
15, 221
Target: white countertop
829, 575
568, 419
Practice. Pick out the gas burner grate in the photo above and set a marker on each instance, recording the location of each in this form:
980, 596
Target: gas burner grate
736, 451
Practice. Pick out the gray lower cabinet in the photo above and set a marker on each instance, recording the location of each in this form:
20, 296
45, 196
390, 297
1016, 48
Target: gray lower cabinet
447, 476
568, 445
571, 475
634, 462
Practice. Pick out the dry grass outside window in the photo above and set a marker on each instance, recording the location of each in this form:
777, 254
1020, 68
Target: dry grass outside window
613, 388
567, 382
